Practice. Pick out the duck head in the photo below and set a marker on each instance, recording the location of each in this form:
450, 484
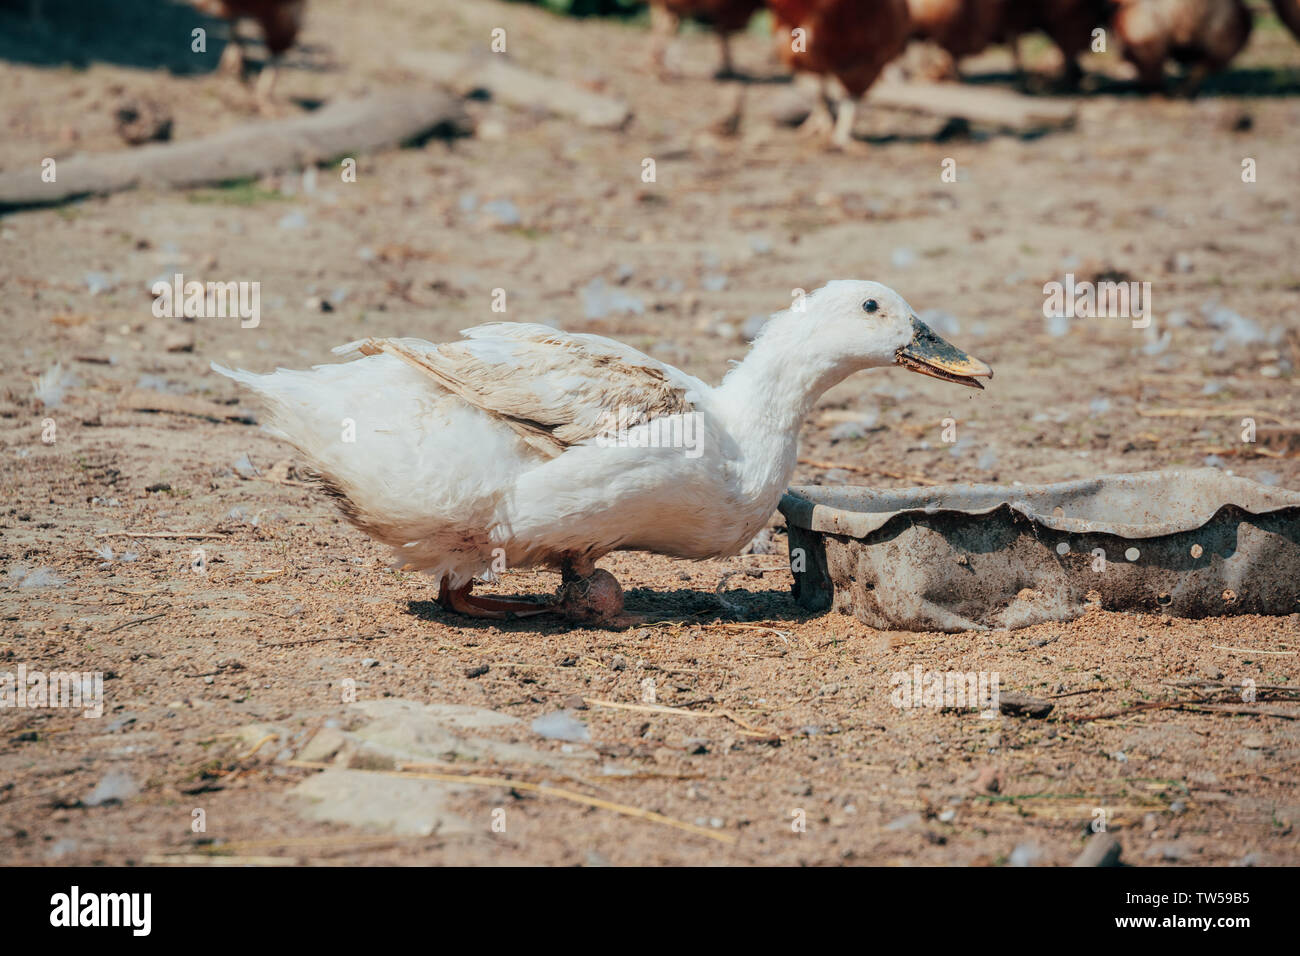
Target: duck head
869, 325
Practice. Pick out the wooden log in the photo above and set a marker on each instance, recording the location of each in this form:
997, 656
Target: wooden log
1002, 108
147, 400
519, 87
260, 148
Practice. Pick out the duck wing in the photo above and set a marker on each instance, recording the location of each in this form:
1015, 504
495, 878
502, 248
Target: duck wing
555, 389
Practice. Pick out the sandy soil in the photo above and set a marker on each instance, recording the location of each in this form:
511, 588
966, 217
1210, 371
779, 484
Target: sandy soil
220, 684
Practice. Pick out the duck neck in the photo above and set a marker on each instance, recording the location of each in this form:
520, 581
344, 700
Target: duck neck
765, 399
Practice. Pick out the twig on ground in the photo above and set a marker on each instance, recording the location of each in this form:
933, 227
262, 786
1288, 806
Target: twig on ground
161, 534
571, 795
204, 859
258, 746
1191, 412
138, 620
1202, 704
320, 640
1253, 650
678, 711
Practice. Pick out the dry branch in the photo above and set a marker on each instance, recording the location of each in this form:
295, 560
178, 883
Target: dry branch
260, 148
572, 796
519, 87
146, 400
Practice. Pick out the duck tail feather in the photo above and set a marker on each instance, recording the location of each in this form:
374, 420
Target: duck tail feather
239, 375
360, 347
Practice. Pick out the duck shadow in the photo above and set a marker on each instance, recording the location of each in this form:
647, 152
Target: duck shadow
680, 606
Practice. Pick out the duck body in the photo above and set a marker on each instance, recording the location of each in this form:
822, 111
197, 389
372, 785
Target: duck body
455, 492
522, 446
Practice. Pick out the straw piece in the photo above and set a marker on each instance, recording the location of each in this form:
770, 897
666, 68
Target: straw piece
571, 795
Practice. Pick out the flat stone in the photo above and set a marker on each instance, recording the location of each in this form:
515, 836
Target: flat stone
452, 715
1025, 854
115, 787
323, 746
1168, 851
1102, 849
1157, 739
383, 802
1022, 705
905, 822
406, 731
561, 725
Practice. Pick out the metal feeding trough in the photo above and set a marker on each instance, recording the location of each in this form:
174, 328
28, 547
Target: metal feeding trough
1192, 543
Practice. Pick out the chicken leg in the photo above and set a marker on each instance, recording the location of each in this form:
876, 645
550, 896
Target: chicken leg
821, 121
726, 69
232, 57
664, 25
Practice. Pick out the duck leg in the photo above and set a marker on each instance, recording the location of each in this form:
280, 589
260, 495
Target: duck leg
457, 600
461, 601
592, 594
588, 594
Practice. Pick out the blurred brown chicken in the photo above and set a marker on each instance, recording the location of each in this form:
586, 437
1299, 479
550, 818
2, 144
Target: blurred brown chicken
1202, 35
958, 27
1069, 24
1288, 11
964, 28
850, 40
280, 21
725, 16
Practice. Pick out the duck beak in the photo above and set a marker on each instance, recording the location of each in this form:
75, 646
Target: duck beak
931, 355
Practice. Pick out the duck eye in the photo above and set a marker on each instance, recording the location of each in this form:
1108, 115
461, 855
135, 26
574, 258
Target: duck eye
871, 305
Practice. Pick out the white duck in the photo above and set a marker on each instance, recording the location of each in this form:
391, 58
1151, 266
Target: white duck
505, 449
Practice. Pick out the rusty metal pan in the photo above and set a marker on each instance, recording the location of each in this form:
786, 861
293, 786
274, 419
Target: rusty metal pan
1189, 542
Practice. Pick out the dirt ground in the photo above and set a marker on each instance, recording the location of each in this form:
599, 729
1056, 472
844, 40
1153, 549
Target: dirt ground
772, 738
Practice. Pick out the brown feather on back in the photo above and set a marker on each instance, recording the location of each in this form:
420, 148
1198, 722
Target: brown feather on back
280, 20
611, 389
852, 40
725, 16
